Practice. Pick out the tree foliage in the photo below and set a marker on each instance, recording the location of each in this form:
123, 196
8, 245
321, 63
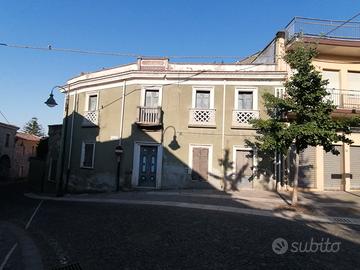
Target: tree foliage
308, 108
303, 117
33, 127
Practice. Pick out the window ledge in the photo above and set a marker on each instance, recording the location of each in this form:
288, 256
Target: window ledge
202, 126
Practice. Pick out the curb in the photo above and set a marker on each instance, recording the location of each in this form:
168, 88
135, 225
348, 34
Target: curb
288, 215
30, 253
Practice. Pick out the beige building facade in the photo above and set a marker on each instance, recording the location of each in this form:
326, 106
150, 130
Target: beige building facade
7, 151
155, 124
179, 125
338, 60
25, 148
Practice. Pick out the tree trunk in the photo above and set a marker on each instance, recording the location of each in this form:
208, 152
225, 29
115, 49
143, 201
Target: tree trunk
296, 178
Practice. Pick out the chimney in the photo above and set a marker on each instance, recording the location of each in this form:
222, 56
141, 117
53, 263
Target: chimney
280, 51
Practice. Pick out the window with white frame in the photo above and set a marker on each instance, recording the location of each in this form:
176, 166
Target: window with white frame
91, 114
151, 98
203, 98
87, 155
246, 99
52, 170
245, 106
92, 102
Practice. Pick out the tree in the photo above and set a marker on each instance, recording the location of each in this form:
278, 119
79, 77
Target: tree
302, 117
33, 127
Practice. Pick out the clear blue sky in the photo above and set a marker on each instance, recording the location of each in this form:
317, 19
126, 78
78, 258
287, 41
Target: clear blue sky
172, 27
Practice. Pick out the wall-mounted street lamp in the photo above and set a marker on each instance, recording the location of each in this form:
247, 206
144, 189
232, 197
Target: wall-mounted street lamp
173, 145
50, 102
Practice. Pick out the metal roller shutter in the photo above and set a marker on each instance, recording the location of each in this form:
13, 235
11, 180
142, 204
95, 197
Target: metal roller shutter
355, 167
307, 170
333, 170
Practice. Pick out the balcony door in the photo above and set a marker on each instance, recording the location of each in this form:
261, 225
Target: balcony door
92, 103
202, 100
245, 100
151, 98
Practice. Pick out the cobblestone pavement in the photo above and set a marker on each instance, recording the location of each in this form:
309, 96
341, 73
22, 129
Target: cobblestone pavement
113, 236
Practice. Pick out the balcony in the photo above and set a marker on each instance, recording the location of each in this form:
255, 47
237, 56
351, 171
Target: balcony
202, 117
91, 119
149, 117
346, 101
333, 29
241, 118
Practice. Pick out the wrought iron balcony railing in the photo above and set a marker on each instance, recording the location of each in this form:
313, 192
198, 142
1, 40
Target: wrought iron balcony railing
149, 116
202, 117
345, 99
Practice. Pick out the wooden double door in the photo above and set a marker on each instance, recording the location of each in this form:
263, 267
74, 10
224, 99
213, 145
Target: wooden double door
200, 161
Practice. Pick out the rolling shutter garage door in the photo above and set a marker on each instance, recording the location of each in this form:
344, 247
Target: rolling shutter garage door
307, 170
355, 167
333, 170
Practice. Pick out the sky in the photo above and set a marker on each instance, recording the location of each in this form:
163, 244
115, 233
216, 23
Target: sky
156, 27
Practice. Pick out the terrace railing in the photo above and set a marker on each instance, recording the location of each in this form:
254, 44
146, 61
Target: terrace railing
300, 26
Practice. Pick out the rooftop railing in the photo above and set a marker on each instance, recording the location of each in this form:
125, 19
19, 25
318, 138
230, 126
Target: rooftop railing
334, 29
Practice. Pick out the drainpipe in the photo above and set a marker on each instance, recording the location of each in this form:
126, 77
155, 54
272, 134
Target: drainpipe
223, 118
71, 142
118, 167
122, 113
223, 130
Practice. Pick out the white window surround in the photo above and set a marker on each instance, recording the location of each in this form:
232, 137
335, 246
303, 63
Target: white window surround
150, 87
210, 156
87, 100
280, 92
83, 154
244, 148
136, 161
50, 169
203, 88
254, 90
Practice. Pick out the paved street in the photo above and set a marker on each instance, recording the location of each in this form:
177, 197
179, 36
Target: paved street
114, 236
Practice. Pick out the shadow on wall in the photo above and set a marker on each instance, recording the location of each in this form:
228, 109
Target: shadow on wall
244, 173
5, 166
144, 145
100, 172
